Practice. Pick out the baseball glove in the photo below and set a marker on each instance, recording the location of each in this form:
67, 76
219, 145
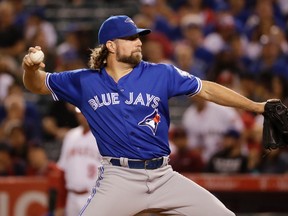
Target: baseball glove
275, 126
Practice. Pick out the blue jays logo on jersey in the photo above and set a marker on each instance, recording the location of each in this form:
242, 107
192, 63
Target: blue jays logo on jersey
151, 121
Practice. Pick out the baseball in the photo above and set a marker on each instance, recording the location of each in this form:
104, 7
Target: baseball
37, 57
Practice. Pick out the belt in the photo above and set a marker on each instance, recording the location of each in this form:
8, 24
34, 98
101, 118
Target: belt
140, 164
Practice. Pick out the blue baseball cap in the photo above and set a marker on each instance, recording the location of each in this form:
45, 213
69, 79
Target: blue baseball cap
118, 27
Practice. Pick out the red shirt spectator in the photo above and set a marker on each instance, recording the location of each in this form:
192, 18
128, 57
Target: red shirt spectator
39, 165
184, 159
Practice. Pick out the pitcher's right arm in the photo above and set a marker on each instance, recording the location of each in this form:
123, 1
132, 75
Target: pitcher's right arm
34, 77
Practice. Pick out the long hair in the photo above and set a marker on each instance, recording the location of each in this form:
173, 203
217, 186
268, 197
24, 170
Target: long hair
98, 57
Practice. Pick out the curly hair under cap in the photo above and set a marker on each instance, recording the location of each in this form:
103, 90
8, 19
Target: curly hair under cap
98, 57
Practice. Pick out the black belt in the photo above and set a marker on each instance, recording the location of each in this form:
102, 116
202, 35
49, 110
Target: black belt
140, 164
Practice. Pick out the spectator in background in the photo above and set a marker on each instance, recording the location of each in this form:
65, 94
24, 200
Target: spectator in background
260, 23
159, 17
205, 129
274, 162
230, 63
193, 36
69, 48
40, 165
16, 110
279, 89
252, 137
263, 85
57, 121
230, 158
252, 131
11, 37
239, 11
39, 31
247, 85
18, 142
197, 8
271, 59
157, 48
184, 59
184, 159
267, 85
283, 6
37, 24
266, 13
231, 59
7, 76
8, 166
21, 13
40, 37
79, 159
71, 52
238, 48
224, 30
227, 78
224, 65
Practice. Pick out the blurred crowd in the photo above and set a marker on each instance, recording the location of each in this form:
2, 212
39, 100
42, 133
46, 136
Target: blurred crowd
241, 44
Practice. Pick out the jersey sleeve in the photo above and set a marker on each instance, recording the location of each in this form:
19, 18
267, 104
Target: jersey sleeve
65, 86
182, 82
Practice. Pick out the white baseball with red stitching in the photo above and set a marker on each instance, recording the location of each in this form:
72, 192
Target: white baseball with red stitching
37, 57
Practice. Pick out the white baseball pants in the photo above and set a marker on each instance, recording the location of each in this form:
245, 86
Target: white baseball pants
124, 191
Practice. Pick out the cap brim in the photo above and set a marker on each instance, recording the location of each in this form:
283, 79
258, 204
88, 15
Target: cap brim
138, 31
143, 32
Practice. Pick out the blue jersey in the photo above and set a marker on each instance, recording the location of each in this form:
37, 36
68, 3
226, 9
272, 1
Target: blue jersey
129, 118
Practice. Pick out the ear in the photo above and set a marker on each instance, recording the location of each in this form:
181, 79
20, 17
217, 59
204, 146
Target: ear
111, 46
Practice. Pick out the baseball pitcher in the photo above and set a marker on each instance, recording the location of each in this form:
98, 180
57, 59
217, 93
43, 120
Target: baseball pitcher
125, 101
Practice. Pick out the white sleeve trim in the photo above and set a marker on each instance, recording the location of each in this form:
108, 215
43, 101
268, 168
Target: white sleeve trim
55, 98
198, 89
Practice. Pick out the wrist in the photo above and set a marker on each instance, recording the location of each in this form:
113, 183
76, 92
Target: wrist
259, 108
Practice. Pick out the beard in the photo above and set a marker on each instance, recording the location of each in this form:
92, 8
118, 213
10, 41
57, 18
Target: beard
134, 59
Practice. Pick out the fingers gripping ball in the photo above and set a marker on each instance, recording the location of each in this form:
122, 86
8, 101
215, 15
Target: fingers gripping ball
37, 57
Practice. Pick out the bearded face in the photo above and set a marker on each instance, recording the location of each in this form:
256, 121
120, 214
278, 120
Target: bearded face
132, 58
128, 50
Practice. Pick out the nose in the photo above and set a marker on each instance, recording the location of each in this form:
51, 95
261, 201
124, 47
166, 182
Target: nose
139, 42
